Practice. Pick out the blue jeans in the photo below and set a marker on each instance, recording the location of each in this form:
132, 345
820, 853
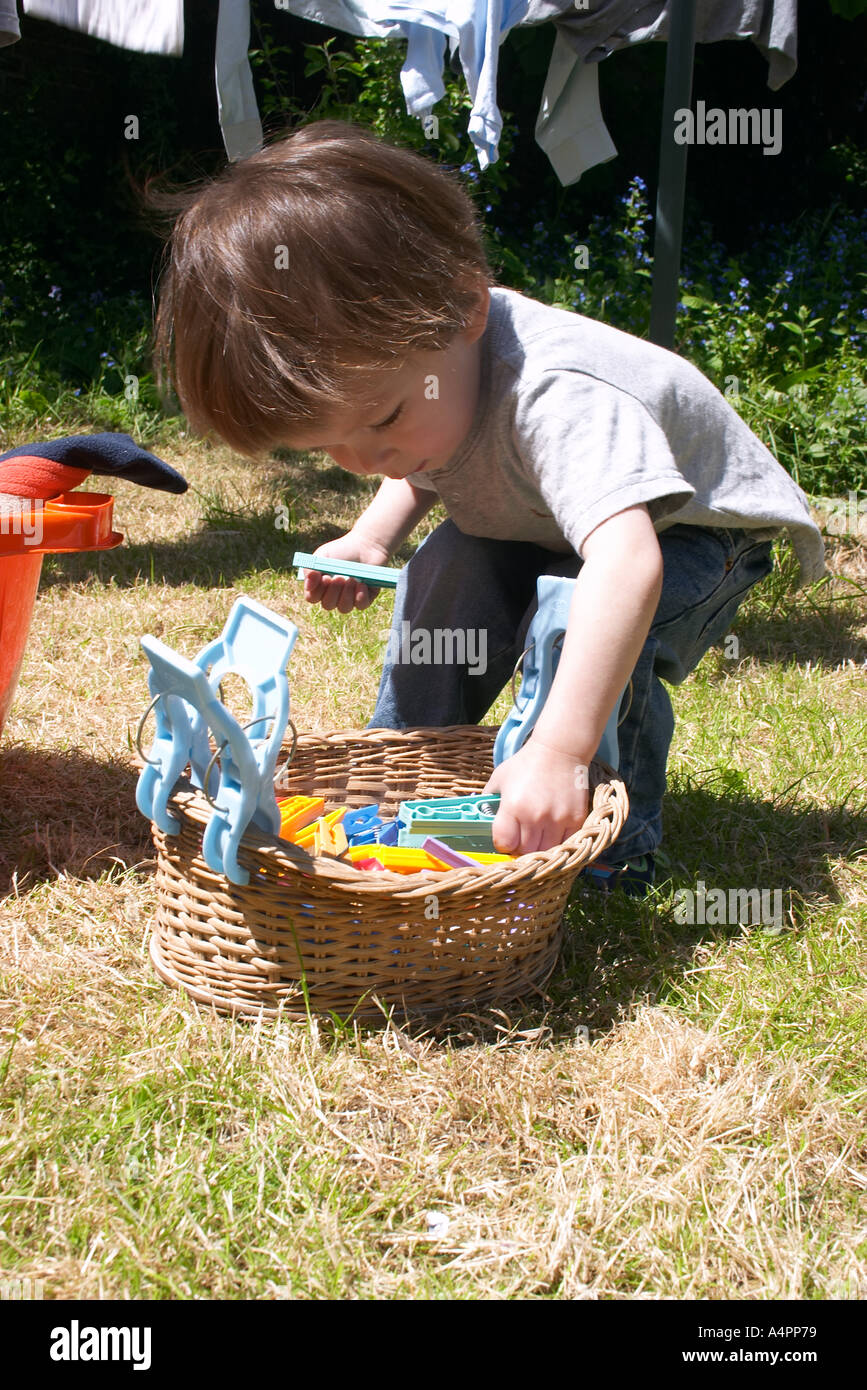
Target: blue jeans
457, 582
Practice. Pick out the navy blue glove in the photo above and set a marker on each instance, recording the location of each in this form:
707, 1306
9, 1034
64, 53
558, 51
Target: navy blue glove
109, 455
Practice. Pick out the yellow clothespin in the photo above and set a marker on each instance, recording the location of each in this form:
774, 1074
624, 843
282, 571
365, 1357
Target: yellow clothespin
306, 836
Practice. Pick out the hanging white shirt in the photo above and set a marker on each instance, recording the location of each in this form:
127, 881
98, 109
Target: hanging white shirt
147, 26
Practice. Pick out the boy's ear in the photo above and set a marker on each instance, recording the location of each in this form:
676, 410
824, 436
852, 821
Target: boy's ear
476, 326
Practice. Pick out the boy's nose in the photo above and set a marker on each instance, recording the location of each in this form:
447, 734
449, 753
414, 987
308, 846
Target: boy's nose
363, 461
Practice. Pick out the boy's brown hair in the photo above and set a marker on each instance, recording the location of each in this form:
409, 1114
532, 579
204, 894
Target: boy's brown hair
294, 275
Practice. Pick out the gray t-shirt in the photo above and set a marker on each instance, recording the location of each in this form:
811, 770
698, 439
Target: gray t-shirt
577, 421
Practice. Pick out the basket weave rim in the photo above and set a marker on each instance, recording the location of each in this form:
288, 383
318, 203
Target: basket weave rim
608, 793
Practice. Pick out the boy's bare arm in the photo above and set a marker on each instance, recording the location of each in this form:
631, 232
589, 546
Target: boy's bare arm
393, 514
616, 596
543, 788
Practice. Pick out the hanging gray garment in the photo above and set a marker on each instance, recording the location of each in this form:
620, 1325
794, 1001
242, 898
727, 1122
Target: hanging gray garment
596, 33
570, 127
10, 29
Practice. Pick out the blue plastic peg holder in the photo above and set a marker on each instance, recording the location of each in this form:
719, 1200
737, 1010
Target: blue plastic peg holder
255, 644
541, 658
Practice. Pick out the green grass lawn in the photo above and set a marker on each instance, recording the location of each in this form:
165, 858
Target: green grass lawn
681, 1117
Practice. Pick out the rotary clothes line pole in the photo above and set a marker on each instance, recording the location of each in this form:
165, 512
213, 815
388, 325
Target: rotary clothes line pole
671, 192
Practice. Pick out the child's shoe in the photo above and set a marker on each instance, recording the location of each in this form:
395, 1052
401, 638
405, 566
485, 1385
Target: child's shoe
635, 877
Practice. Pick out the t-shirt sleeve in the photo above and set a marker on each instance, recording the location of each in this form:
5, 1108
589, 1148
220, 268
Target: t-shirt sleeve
593, 450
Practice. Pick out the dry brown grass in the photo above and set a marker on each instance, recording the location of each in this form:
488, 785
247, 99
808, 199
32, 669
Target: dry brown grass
708, 1142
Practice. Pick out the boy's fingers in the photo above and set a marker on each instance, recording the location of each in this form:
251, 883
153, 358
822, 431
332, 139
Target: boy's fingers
506, 833
346, 602
332, 592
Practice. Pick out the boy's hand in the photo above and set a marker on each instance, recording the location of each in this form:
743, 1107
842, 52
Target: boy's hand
543, 798
336, 591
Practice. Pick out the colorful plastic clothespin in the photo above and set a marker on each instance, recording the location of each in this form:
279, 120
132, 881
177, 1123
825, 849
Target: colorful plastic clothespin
255, 644
397, 859
544, 640
389, 833
307, 834
377, 576
448, 855
362, 825
297, 814
465, 821
167, 759
328, 839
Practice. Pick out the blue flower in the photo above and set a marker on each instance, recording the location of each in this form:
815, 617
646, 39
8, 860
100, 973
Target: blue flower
743, 284
54, 292
769, 326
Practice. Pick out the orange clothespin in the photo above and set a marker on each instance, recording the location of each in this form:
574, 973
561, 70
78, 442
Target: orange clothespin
297, 812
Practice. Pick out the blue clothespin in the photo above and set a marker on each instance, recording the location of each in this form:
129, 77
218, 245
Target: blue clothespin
362, 825
238, 791
544, 640
389, 832
169, 756
255, 644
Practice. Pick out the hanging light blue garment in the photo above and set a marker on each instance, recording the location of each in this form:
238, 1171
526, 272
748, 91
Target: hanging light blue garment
475, 29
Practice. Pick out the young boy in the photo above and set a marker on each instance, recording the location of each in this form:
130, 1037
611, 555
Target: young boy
331, 292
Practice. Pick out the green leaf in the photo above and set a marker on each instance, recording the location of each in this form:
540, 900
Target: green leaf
797, 378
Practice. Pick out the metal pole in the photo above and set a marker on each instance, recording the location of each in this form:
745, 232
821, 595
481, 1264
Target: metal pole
672, 175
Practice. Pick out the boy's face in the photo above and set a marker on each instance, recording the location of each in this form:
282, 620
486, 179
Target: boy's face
422, 413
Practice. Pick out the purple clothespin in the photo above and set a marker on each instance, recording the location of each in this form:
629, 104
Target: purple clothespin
449, 855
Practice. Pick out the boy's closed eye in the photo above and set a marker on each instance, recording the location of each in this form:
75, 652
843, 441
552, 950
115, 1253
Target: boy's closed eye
392, 419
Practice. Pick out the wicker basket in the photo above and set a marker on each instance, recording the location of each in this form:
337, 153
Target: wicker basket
428, 944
